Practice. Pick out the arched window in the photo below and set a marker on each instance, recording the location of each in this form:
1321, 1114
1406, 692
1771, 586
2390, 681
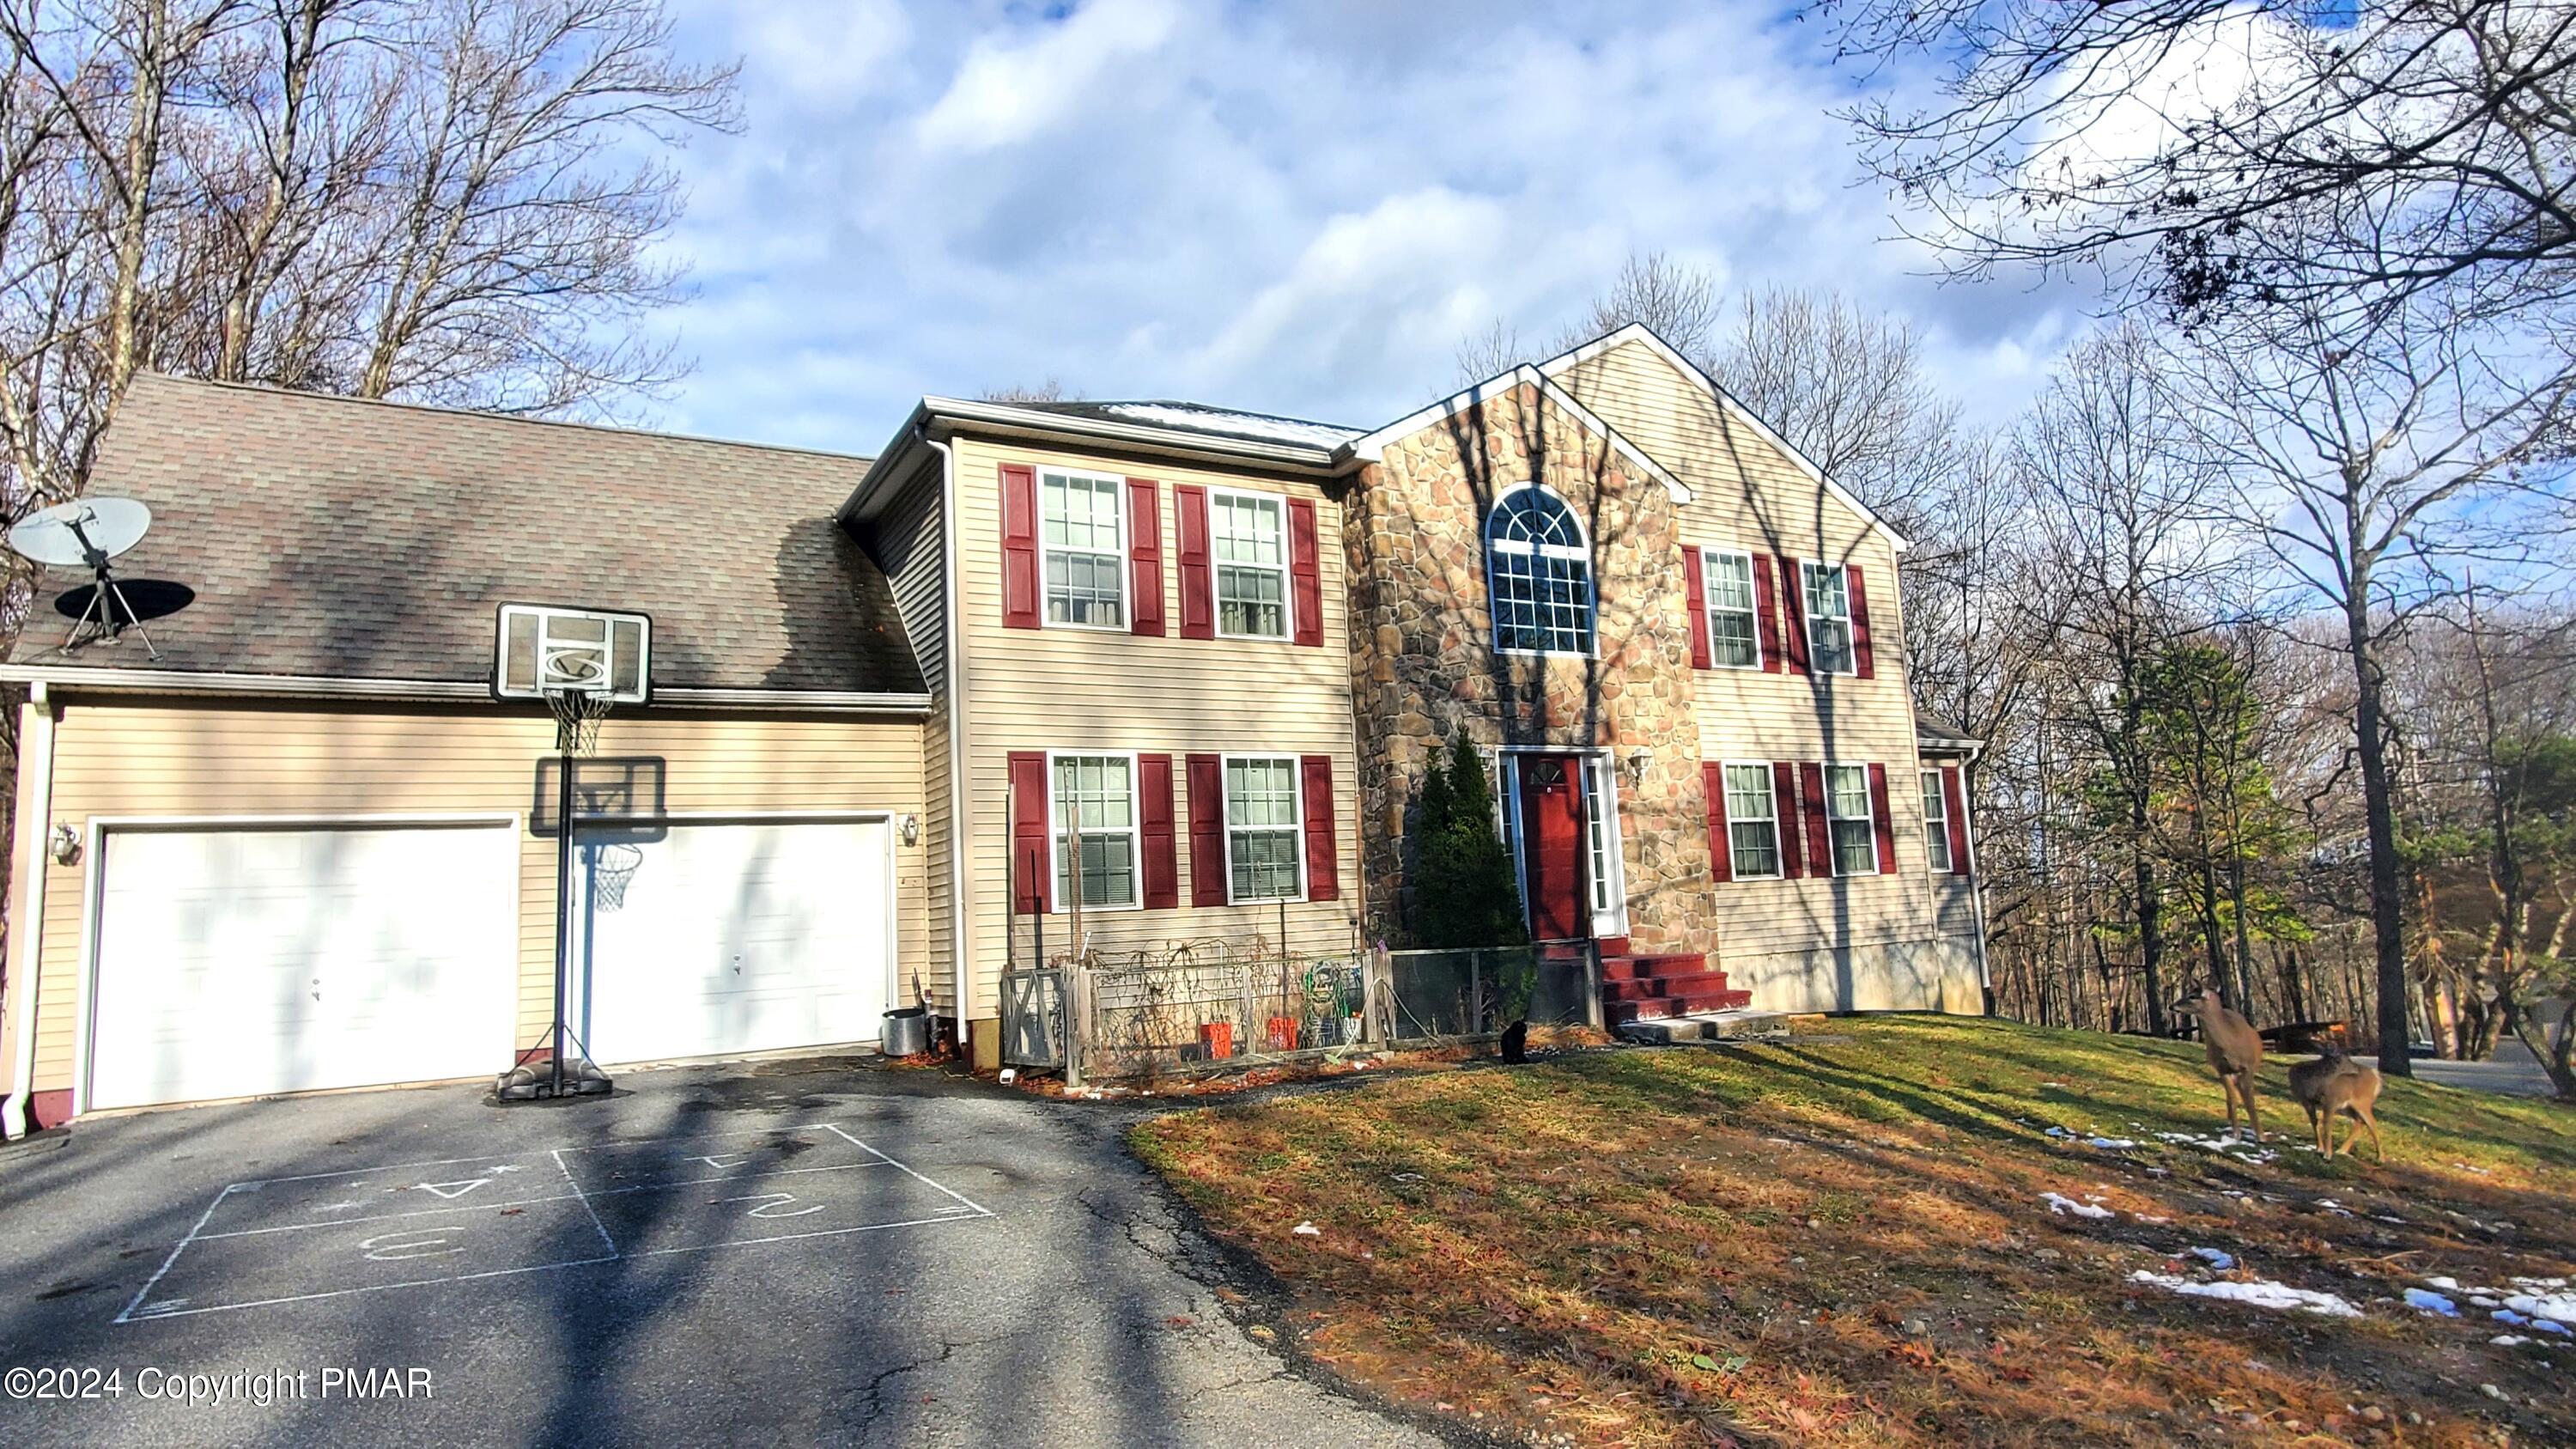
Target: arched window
1539, 568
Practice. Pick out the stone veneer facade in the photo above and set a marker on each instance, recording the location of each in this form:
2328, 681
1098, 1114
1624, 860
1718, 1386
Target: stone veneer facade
1423, 662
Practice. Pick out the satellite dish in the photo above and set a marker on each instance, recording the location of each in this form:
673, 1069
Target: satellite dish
82, 534
85, 534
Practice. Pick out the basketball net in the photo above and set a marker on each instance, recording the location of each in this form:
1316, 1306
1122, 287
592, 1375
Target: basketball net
577, 716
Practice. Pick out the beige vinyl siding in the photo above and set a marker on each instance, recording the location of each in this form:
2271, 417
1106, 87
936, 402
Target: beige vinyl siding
909, 542
169, 761
1075, 689
1749, 495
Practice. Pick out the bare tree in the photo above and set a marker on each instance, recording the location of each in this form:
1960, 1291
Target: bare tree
1677, 300
1490, 353
1850, 388
1049, 391
2178, 142
2375, 443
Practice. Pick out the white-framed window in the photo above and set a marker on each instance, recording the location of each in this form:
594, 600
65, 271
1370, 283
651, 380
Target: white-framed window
1734, 625
1082, 536
1829, 627
1847, 813
1752, 821
1248, 543
1093, 797
1538, 570
1265, 839
1598, 823
1936, 824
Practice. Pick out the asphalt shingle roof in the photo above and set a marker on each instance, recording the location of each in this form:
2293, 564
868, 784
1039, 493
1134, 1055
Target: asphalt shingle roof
336, 537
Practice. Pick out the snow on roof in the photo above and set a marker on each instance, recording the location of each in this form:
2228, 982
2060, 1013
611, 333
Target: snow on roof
1221, 420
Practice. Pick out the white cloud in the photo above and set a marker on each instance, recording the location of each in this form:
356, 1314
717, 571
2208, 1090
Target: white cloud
1011, 89
1293, 209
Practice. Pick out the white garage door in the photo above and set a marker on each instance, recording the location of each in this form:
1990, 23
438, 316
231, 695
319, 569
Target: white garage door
738, 937
237, 962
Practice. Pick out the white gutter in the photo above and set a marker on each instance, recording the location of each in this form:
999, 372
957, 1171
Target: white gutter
952, 665
35, 823
438, 691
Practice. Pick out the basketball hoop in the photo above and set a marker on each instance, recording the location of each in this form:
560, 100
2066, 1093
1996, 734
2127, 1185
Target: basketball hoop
577, 715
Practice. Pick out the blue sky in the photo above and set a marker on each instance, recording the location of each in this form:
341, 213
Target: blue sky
1290, 208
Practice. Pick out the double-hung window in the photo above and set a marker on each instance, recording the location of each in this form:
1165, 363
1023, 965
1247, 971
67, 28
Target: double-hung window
1829, 625
1081, 529
1936, 823
1538, 568
1855, 833
1248, 534
1734, 640
1094, 829
1263, 836
1752, 821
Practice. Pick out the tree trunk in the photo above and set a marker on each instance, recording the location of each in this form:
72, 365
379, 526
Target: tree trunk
2387, 906
2151, 945
2557, 1055
2244, 933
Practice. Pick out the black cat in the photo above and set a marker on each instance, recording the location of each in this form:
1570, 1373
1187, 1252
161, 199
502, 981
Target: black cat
1516, 1042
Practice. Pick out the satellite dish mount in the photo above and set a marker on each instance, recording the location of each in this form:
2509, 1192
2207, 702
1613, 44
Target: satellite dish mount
89, 533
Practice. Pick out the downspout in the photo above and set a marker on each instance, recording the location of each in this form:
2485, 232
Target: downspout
952, 667
35, 817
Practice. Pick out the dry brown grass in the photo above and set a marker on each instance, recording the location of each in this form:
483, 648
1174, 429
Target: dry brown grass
1840, 1241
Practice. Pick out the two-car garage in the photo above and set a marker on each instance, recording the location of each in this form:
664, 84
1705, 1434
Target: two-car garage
249, 959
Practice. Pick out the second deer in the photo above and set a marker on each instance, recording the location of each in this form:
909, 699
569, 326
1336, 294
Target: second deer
2334, 1085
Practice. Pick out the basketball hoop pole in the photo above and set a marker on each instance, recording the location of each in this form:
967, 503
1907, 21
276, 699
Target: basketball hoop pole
563, 904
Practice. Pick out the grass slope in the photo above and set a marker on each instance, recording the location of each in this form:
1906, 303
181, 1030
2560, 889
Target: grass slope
1841, 1240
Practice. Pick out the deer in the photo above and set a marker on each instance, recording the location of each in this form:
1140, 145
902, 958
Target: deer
2235, 1053
2334, 1085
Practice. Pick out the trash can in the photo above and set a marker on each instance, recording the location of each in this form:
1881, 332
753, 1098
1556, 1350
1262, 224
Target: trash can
907, 1032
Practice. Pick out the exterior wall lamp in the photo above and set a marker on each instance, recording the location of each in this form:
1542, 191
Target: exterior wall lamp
1640, 760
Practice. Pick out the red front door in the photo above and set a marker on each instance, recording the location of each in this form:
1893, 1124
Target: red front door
1552, 846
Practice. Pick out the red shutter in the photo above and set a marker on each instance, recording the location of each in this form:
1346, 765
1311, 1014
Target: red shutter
1721, 849
1207, 830
1032, 884
1818, 821
1696, 589
1793, 613
1766, 603
1145, 555
1305, 572
1784, 816
1859, 622
1881, 823
1323, 873
1198, 582
1020, 603
1162, 868
1954, 801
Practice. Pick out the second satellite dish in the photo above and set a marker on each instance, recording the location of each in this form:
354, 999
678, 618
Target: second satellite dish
82, 534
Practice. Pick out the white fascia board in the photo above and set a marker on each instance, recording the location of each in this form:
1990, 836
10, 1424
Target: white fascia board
432, 691
1640, 332
1040, 425
1372, 448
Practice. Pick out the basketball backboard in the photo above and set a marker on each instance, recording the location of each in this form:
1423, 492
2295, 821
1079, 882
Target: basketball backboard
541, 650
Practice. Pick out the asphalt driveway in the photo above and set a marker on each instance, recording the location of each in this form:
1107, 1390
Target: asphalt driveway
817, 1251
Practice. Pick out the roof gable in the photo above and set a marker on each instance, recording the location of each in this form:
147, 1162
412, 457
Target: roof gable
1724, 406
1372, 447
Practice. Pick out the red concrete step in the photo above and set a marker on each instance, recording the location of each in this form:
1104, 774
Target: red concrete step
1613, 945
1623, 968
1715, 1001
1661, 1008
1674, 965
1687, 983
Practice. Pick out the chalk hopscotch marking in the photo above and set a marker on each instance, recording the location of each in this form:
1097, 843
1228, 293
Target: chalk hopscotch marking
427, 1242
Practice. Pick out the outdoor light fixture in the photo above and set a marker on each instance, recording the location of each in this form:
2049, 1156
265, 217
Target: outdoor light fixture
911, 826
64, 843
1640, 760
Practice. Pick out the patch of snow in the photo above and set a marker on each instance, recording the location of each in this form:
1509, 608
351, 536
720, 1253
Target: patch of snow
1285, 430
2111, 1144
2059, 1206
2152, 1218
2540, 1282
2265, 1294
2507, 1315
2059, 1132
1309, 1230
2560, 1307
2426, 1301
2338, 1209
2385, 1218
2217, 1258
2447, 1284
2483, 1301
2508, 1340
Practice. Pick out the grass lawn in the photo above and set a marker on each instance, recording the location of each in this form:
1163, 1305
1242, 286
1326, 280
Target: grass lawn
1843, 1240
